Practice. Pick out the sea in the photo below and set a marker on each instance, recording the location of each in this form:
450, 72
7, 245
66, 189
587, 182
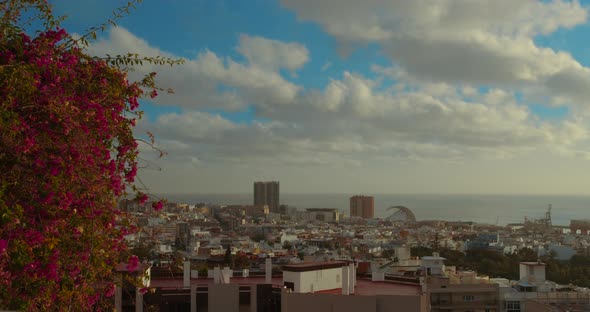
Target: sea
485, 208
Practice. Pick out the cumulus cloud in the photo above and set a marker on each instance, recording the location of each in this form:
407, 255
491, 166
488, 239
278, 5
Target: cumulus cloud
208, 80
475, 42
353, 121
434, 110
273, 54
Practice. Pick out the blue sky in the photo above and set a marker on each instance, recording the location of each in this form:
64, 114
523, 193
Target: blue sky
278, 89
189, 27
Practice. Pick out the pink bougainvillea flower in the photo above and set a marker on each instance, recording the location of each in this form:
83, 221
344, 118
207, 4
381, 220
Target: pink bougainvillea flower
158, 205
3, 246
132, 263
109, 291
67, 128
142, 198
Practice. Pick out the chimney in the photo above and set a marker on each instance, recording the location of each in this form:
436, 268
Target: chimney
351, 278
423, 284
377, 276
216, 275
345, 282
227, 273
268, 270
187, 274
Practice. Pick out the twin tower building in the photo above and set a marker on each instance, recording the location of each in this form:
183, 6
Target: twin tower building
267, 193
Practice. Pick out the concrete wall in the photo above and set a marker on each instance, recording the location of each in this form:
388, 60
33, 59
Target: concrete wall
434, 265
387, 303
293, 302
402, 252
533, 306
224, 298
293, 277
355, 303
313, 281
537, 276
480, 296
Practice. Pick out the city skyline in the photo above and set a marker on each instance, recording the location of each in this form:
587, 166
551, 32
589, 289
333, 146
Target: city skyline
483, 97
267, 193
362, 206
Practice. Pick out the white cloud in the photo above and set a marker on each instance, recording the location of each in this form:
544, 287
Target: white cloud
458, 41
353, 121
196, 83
429, 115
273, 54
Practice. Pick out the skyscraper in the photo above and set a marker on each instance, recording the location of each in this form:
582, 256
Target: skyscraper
362, 206
267, 193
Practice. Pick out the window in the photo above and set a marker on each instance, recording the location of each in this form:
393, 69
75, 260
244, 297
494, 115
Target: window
468, 298
289, 285
512, 306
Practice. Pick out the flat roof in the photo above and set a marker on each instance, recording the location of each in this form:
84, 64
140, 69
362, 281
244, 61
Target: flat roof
245, 281
370, 288
364, 287
533, 263
313, 266
321, 209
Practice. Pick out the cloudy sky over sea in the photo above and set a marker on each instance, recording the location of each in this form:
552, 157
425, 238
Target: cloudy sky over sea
374, 96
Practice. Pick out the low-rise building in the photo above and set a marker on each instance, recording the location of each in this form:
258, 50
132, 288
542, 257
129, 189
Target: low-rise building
323, 214
226, 291
318, 277
532, 292
458, 291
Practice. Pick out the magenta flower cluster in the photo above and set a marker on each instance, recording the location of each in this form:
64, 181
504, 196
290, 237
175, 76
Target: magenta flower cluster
67, 153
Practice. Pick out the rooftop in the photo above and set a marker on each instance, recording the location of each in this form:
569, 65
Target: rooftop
321, 209
242, 281
533, 263
370, 288
314, 266
364, 287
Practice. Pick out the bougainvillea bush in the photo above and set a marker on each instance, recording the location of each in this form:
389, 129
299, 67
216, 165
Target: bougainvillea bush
67, 153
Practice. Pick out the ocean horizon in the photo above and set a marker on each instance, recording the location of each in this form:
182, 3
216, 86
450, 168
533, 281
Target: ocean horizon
498, 209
